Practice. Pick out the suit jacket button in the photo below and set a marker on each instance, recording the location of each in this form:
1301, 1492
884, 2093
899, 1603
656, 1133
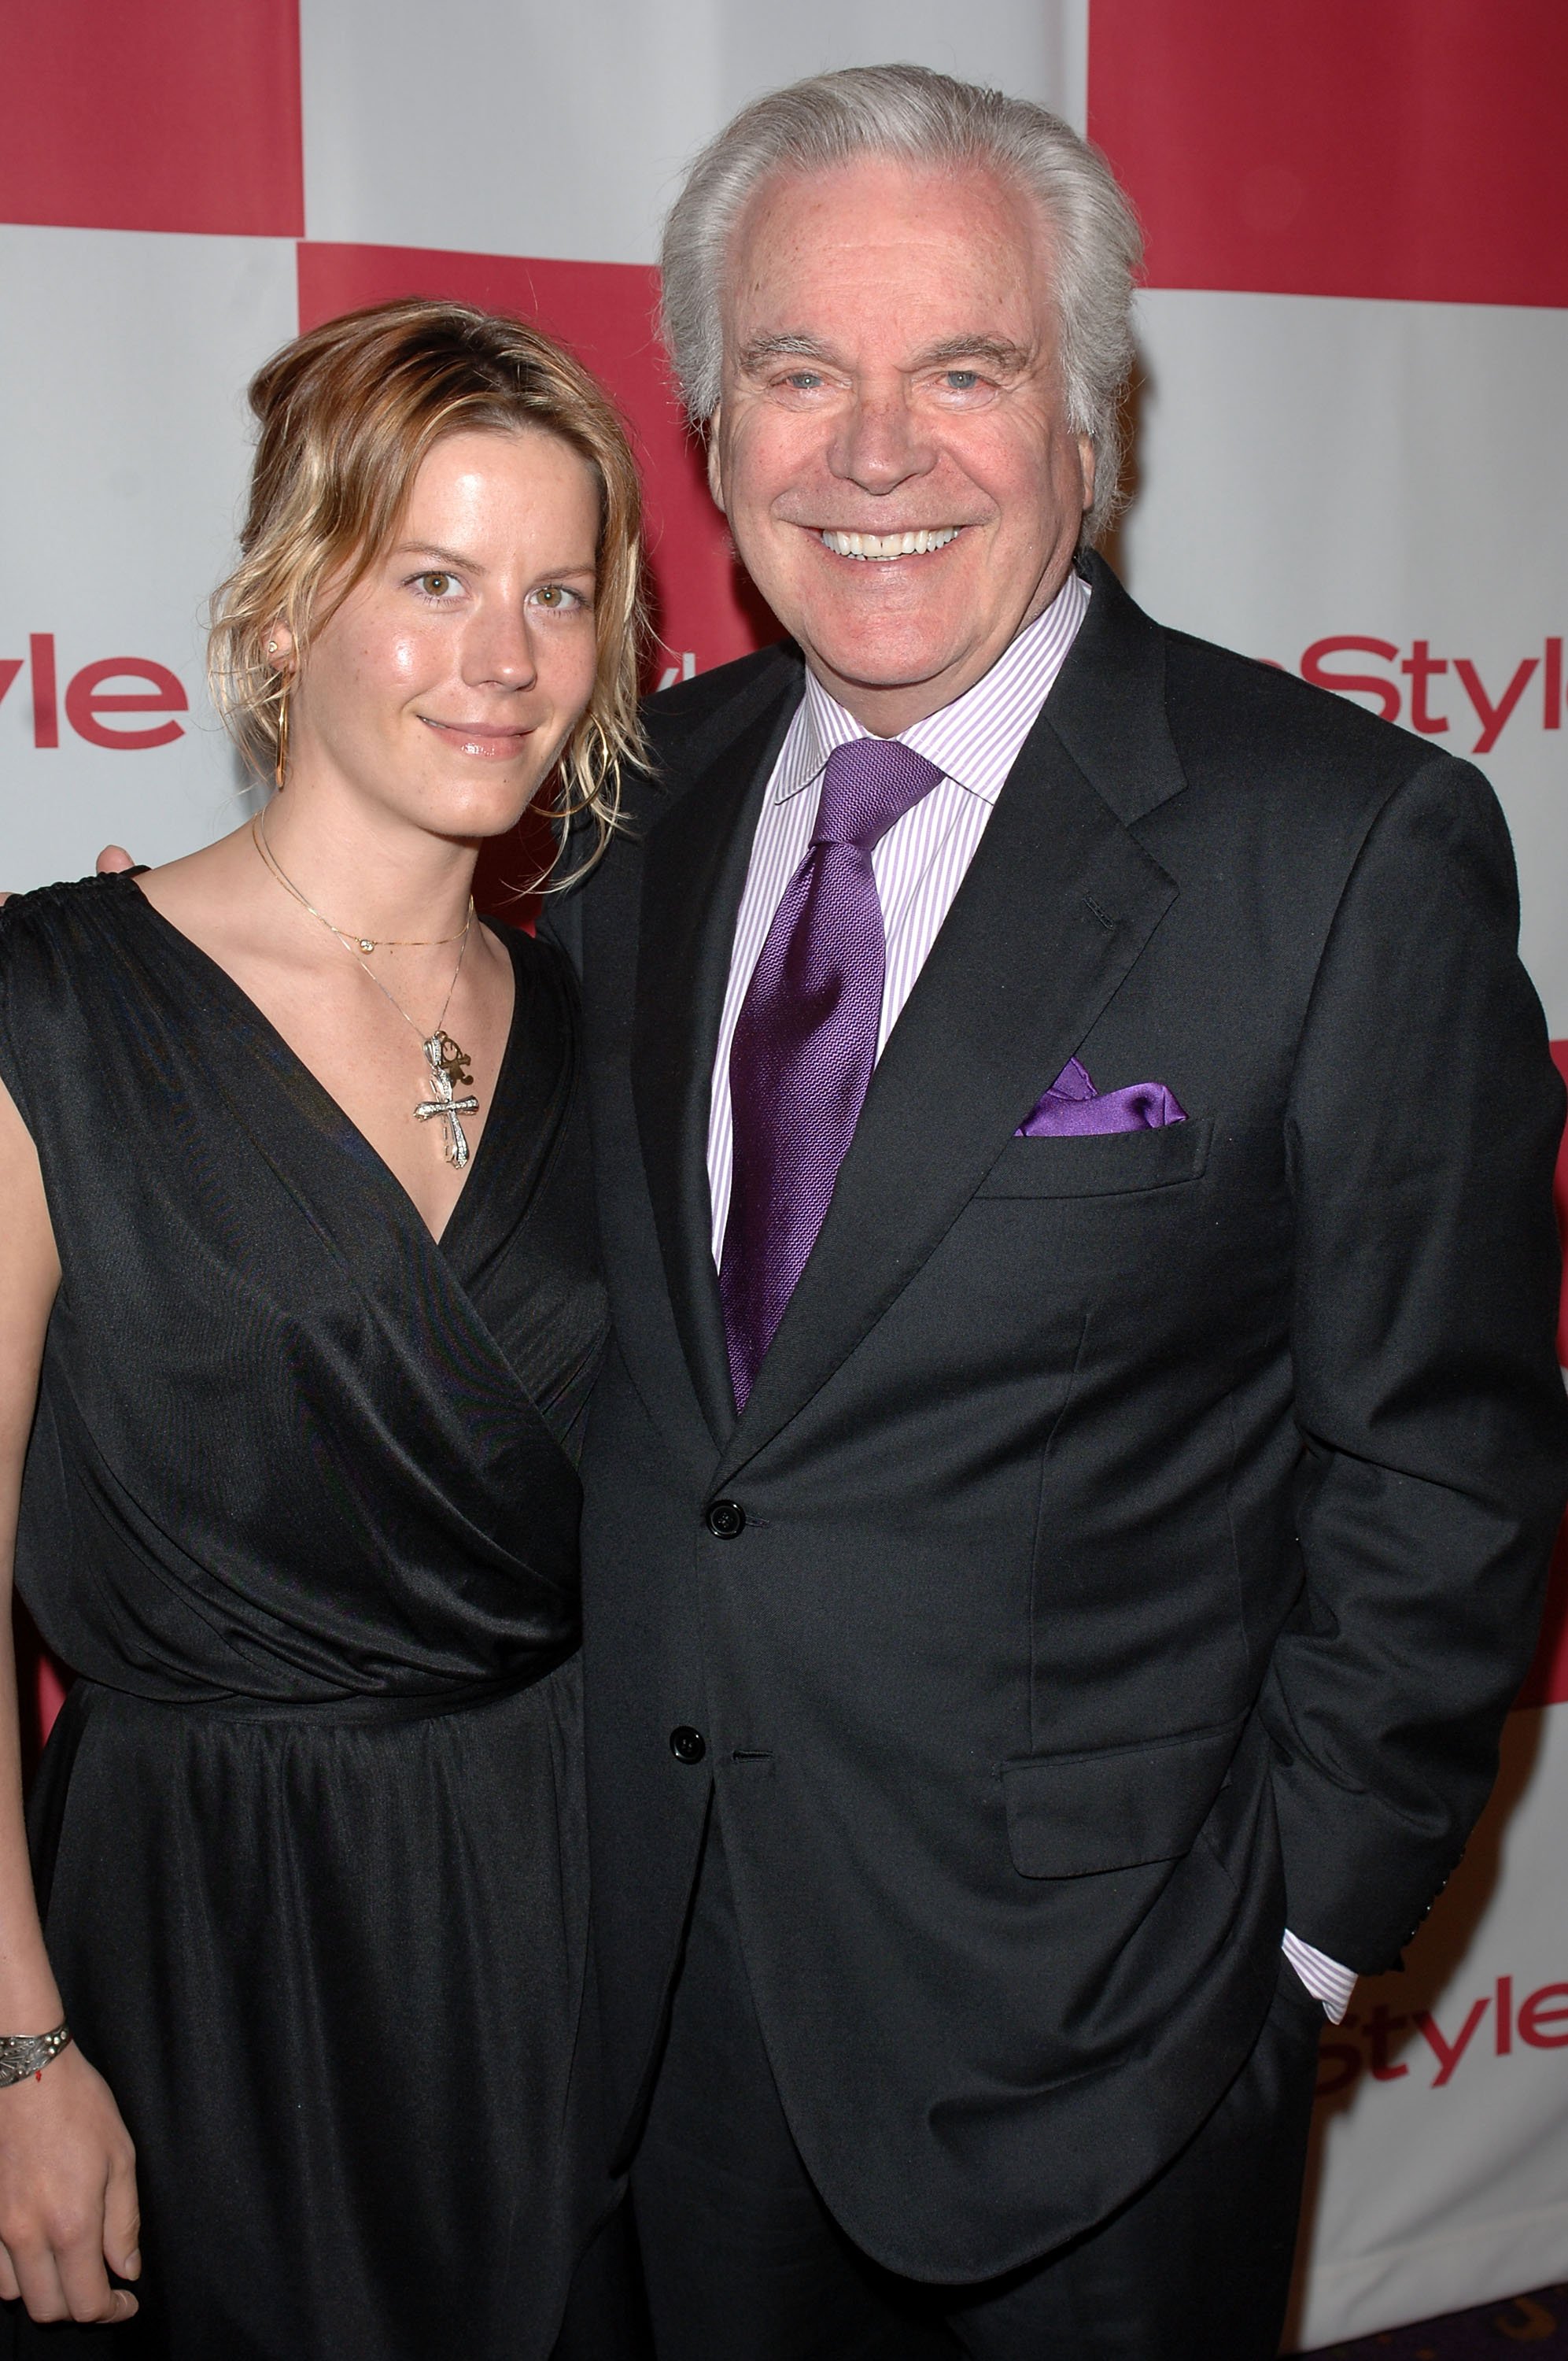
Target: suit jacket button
688, 1745
726, 1518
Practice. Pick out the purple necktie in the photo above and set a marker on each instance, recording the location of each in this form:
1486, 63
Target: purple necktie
806, 1043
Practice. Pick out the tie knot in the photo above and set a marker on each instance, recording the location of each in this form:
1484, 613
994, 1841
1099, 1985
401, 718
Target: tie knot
867, 785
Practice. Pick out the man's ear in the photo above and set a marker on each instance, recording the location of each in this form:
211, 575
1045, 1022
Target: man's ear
1086, 463
714, 464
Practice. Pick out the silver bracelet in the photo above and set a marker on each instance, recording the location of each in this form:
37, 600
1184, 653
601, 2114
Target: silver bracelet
22, 2054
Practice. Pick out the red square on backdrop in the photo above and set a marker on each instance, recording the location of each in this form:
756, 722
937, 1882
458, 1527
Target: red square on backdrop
705, 611
180, 117
1412, 150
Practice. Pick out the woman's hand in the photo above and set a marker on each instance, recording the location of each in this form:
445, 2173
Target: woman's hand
68, 2195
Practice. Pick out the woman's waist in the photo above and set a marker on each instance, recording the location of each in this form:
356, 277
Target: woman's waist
320, 1706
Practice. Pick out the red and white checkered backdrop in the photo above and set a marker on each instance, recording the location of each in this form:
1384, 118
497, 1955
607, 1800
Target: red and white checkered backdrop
1349, 460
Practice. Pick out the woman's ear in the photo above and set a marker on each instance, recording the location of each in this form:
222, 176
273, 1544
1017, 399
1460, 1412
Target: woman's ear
278, 642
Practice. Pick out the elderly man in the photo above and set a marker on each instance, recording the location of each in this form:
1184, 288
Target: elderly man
1069, 1497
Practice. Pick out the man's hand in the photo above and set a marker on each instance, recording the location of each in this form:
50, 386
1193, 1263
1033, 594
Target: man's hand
112, 857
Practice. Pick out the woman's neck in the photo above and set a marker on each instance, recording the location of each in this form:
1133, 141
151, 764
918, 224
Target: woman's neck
370, 874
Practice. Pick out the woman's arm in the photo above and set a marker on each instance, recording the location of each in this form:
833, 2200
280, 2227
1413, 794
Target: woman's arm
68, 2197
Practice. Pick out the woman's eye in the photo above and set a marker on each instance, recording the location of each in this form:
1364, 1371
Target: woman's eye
556, 596
437, 584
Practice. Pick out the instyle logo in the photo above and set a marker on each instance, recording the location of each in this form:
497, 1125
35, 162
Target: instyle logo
88, 699
1493, 2025
1419, 688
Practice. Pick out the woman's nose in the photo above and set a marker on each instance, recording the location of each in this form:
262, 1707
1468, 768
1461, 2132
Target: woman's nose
499, 647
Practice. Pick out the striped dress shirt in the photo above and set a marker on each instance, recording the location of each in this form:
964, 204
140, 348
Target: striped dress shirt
920, 863
918, 867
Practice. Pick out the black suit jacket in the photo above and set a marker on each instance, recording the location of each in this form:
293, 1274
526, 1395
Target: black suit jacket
1143, 1536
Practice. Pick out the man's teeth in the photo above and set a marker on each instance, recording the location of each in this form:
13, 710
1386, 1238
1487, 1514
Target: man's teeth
889, 544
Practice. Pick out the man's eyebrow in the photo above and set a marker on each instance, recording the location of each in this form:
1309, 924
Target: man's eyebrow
767, 348
1010, 358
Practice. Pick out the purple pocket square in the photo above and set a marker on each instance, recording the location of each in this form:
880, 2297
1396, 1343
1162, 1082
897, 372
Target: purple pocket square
1073, 1107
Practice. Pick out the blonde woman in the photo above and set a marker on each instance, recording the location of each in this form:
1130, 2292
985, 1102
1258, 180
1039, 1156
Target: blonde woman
299, 1306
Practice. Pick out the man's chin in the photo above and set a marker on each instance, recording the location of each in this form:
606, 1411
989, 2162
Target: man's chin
890, 661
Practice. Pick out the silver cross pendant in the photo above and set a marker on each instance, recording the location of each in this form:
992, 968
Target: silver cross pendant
447, 1065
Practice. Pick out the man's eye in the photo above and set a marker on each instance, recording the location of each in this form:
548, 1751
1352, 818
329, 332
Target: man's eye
963, 381
803, 379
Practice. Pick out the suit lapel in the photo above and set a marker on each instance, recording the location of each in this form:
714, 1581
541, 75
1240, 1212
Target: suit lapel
1057, 904
693, 872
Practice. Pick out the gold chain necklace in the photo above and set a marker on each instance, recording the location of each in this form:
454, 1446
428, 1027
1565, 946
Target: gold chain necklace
448, 1064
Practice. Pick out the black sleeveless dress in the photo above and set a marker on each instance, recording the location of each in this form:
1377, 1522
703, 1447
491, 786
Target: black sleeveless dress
301, 1510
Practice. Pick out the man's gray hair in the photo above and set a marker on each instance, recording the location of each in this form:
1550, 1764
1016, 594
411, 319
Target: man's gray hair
926, 118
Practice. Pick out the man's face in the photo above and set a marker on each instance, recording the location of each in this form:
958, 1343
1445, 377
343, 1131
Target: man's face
890, 369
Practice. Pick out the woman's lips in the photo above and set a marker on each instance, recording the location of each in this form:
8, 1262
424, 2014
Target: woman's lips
492, 745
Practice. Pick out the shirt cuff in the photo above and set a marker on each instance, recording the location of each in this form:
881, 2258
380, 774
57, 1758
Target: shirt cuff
1324, 1978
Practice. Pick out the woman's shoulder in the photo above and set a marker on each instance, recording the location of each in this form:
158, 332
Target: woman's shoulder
62, 910
542, 970
60, 968
59, 919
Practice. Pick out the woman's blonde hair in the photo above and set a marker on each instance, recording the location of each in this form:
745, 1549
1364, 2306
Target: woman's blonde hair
347, 414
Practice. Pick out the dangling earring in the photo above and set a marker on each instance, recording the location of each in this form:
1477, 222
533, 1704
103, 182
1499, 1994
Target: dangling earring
281, 766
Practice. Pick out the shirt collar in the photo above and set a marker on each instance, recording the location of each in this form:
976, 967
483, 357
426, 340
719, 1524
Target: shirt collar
974, 741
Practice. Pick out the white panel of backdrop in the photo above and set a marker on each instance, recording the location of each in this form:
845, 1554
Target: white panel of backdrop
566, 134
1317, 468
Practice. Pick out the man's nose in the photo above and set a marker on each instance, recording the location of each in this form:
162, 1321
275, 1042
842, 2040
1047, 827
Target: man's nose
499, 647
880, 443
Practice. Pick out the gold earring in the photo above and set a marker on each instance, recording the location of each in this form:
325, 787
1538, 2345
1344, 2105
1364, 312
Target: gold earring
281, 766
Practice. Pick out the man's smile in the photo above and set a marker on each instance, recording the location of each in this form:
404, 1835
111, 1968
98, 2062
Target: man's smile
919, 543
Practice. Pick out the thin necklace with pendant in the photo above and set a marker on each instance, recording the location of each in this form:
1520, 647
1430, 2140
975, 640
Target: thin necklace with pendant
448, 1064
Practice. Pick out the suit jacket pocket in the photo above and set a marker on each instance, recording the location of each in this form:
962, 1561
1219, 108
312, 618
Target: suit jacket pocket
1101, 1164
1076, 1815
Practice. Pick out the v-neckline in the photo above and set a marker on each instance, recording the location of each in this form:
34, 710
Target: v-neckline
253, 1009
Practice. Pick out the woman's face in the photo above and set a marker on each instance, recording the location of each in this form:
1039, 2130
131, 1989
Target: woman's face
446, 683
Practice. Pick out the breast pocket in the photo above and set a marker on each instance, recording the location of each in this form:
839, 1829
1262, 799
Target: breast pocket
1103, 1164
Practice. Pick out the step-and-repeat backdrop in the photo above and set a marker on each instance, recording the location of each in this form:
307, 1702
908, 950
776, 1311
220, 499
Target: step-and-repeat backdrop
1350, 461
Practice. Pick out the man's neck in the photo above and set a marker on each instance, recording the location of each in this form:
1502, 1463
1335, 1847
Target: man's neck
888, 709
891, 712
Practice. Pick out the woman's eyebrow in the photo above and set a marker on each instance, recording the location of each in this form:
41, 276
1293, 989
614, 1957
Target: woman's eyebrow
434, 549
